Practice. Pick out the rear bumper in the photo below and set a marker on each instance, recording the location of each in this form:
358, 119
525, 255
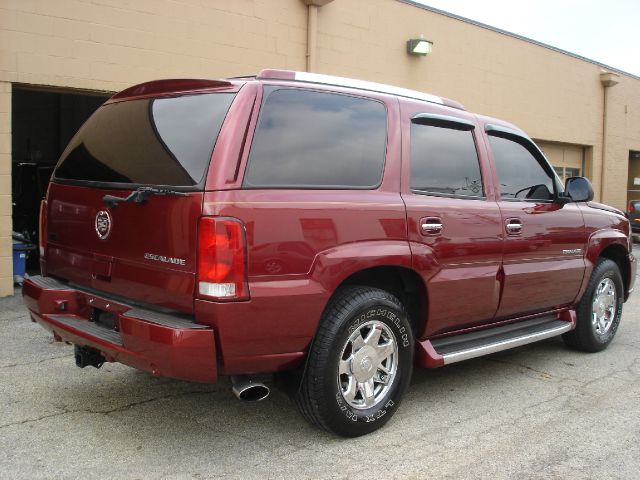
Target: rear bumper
161, 344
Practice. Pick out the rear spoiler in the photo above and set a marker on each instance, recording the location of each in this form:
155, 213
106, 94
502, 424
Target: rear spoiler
157, 87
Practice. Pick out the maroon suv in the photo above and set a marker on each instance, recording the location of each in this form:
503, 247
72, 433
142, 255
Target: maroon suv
336, 230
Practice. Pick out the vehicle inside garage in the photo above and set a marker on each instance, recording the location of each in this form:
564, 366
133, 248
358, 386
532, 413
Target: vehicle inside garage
43, 121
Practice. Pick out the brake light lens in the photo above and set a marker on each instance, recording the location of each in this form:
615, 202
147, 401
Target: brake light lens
222, 259
631, 207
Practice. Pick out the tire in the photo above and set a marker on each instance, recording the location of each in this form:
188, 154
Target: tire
359, 364
598, 317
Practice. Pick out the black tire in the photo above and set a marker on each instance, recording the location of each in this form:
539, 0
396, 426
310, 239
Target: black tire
350, 313
586, 336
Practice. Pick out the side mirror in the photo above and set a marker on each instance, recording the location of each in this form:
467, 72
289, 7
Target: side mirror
579, 189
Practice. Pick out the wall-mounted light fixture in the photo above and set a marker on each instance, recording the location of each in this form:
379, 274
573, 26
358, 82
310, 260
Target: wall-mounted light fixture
419, 46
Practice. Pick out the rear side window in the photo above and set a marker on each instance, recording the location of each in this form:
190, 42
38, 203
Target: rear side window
520, 175
307, 139
161, 141
444, 161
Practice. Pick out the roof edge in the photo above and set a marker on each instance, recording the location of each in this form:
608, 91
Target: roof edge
519, 37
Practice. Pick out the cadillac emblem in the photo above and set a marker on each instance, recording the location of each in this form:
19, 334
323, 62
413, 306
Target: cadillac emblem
103, 224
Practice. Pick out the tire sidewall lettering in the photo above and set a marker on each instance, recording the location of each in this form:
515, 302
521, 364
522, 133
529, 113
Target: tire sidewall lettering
394, 320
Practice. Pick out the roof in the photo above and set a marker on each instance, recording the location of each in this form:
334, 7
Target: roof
515, 35
290, 75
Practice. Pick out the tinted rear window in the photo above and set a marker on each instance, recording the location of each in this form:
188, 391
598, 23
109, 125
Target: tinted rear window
444, 161
161, 141
309, 139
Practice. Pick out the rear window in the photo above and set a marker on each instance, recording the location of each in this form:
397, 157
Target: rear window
308, 139
157, 141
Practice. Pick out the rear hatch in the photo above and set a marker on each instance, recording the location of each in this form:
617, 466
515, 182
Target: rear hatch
143, 249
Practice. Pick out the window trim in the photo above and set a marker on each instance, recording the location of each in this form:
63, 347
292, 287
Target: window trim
439, 122
443, 121
525, 141
267, 91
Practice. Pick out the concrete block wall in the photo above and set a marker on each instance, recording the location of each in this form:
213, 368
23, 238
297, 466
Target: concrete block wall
6, 253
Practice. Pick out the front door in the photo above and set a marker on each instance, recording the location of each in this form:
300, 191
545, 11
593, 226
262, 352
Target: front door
543, 257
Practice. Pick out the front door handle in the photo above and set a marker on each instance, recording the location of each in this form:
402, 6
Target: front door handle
430, 225
514, 226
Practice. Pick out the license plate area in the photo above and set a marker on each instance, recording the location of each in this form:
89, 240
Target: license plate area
108, 320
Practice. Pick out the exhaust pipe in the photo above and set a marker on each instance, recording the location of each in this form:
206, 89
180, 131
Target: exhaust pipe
248, 390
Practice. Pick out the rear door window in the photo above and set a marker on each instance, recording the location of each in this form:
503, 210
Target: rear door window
157, 141
444, 161
309, 139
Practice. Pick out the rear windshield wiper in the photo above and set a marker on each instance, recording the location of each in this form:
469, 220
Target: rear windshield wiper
139, 195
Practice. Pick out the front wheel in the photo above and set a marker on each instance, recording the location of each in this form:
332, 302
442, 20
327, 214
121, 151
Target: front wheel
360, 363
599, 310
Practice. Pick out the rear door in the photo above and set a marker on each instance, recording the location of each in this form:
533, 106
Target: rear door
146, 250
454, 224
544, 240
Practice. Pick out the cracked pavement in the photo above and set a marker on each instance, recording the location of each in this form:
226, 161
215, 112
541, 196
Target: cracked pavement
540, 411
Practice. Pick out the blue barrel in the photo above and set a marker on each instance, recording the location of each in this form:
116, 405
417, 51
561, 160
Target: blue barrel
20, 259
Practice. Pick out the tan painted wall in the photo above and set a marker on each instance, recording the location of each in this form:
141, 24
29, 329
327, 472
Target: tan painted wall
6, 266
109, 44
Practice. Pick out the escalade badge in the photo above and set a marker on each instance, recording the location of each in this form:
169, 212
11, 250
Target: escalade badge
103, 224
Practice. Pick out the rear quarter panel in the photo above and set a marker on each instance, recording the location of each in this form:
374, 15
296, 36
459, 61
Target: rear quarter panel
301, 243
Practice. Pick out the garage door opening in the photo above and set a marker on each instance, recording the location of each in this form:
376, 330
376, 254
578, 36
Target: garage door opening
42, 123
567, 160
633, 188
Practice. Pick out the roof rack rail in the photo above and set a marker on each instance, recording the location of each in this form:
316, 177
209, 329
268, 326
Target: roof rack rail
275, 74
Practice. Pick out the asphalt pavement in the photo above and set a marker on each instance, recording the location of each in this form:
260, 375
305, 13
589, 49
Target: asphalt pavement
540, 411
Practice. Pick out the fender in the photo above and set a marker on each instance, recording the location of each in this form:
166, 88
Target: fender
597, 242
601, 239
333, 266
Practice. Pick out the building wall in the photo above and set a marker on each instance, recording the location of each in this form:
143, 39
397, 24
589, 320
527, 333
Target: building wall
107, 45
6, 266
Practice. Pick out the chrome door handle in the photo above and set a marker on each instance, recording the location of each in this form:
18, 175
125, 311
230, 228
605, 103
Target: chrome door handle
432, 227
514, 226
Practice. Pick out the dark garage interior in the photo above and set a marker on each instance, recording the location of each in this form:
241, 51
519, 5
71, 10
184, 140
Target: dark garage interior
43, 121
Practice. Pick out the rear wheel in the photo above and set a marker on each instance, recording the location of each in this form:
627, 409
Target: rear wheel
360, 363
600, 309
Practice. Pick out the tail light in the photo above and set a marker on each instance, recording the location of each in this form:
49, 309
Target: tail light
222, 259
42, 235
631, 207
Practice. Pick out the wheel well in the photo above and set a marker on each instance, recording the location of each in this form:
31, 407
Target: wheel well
402, 282
618, 254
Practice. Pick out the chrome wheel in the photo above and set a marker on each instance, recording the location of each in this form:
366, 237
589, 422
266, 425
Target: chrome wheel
603, 308
368, 365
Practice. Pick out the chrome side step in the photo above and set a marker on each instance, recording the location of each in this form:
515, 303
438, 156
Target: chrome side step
476, 344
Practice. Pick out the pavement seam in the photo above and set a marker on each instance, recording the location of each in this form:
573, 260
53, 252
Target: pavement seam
11, 365
104, 412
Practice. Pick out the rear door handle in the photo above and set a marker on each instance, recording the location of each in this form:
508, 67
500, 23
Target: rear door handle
430, 225
514, 226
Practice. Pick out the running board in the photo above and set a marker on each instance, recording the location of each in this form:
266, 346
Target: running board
456, 348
